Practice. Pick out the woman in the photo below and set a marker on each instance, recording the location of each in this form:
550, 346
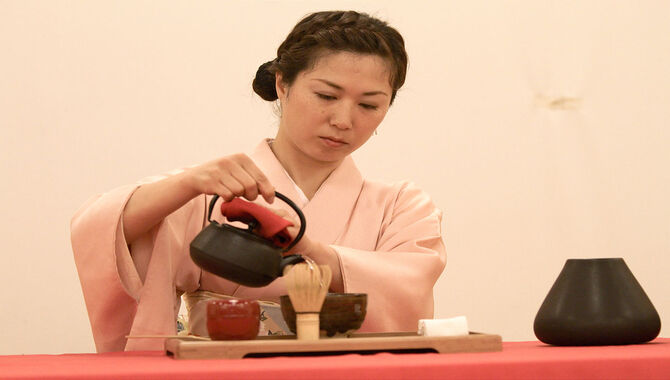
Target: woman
335, 77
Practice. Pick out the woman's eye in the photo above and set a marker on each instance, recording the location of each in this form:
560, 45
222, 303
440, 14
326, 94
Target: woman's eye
325, 97
330, 97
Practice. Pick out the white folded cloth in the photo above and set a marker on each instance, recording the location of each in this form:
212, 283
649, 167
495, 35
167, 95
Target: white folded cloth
456, 326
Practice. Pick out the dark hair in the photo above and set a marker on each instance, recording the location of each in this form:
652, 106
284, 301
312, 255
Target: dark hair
321, 32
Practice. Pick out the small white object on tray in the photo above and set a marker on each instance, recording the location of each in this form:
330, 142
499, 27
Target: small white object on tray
457, 326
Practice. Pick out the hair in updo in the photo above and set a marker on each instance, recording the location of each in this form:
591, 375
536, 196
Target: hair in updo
321, 32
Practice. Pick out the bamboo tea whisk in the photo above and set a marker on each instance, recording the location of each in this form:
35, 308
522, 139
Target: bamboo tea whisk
307, 285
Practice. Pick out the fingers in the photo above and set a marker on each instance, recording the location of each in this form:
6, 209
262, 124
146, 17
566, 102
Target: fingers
241, 177
225, 193
295, 227
263, 183
244, 184
283, 213
230, 188
229, 177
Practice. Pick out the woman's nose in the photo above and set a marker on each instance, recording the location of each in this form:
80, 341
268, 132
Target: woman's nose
342, 116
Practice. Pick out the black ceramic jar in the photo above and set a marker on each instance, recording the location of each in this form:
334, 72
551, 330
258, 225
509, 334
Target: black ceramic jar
596, 302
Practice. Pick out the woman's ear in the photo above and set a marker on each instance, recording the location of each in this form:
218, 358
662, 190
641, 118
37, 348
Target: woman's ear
281, 87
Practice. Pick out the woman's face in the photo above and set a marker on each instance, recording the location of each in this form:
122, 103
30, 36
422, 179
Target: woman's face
332, 109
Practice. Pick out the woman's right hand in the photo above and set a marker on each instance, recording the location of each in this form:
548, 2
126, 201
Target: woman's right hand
229, 177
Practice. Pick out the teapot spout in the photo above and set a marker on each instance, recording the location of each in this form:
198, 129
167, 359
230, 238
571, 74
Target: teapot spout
289, 260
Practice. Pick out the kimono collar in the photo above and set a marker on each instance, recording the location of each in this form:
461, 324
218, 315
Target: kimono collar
329, 211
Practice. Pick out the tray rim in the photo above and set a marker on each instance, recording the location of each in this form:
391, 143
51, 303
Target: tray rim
189, 348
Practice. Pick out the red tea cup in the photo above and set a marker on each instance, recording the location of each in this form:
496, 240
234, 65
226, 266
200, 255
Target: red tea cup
233, 319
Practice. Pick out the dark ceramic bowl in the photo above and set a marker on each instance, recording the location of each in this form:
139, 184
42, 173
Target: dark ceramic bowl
233, 319
342, 313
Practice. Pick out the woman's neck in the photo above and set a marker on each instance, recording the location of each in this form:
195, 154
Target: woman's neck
307, 173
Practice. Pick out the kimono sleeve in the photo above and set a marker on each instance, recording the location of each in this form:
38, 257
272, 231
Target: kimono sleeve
135, 294
400, 273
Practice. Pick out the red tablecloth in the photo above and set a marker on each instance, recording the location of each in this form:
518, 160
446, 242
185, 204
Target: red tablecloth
518, 360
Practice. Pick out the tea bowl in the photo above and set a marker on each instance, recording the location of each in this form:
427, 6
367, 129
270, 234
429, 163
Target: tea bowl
341, 313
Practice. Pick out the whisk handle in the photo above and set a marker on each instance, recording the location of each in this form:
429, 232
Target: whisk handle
307, 326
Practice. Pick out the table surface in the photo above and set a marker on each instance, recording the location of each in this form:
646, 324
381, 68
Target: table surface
518, 360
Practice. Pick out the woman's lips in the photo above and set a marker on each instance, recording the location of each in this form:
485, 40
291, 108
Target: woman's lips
332, 142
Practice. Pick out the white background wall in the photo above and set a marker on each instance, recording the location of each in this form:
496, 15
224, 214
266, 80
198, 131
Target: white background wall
96, 94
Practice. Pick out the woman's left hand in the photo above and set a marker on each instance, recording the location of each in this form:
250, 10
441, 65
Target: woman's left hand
305, 245
321, 253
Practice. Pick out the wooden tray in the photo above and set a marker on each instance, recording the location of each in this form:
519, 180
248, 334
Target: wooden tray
287, 345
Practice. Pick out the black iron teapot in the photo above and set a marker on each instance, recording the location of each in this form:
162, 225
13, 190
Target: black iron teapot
239, 255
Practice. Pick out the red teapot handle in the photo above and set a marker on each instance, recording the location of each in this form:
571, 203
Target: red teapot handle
283, 198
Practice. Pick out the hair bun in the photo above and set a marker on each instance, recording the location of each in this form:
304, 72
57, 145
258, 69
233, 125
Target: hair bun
264, 82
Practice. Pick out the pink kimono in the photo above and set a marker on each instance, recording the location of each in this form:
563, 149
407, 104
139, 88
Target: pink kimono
387, 237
